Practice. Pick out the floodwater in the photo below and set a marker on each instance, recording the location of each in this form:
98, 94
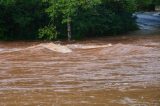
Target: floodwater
111, 71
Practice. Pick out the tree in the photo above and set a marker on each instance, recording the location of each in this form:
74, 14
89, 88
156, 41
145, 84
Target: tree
6, 2
147, 5
157, 2
21, 19
68, 9
54, 19
91, 16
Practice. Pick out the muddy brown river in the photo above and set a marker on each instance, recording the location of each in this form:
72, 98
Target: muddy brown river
111, 71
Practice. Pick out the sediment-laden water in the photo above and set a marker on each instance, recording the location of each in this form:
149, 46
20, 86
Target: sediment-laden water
111, 71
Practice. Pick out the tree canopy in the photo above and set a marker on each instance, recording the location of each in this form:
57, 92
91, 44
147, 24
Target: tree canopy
55, 19
91, 17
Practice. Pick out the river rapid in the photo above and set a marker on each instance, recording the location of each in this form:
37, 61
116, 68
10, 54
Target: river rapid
111, 71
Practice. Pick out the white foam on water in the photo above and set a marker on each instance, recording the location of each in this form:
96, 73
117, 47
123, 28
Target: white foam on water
56, 47
9, 50
49, 46
82, 46
123, 49
1, 49
52, 47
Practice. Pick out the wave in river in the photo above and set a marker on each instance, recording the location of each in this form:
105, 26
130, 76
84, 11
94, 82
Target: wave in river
123, 49
117, 49
48, 46
54, 48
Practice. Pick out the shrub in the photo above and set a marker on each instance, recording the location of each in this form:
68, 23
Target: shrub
48, 33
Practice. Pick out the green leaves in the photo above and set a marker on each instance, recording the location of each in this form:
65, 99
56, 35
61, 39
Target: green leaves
54, 19
69, 7
48, 33
92, 17
144, 4
21, 19
6, 2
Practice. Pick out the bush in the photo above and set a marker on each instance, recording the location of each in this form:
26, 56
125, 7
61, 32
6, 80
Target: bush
48, 33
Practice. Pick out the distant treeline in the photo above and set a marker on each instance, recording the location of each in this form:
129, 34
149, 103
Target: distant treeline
147, 5
72, 19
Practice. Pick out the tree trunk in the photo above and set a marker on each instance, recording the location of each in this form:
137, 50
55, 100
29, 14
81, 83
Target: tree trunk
69, 29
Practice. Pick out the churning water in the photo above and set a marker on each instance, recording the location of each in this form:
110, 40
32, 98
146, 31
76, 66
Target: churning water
118, 71
113, 71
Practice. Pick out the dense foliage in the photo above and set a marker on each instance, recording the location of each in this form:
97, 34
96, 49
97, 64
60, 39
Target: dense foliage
21, 19
146, 5
92, 17
55, 19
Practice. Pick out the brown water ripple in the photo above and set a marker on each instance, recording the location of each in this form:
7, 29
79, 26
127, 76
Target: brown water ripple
119, 75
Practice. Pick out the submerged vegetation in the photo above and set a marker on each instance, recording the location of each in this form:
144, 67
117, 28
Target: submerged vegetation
55, 19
